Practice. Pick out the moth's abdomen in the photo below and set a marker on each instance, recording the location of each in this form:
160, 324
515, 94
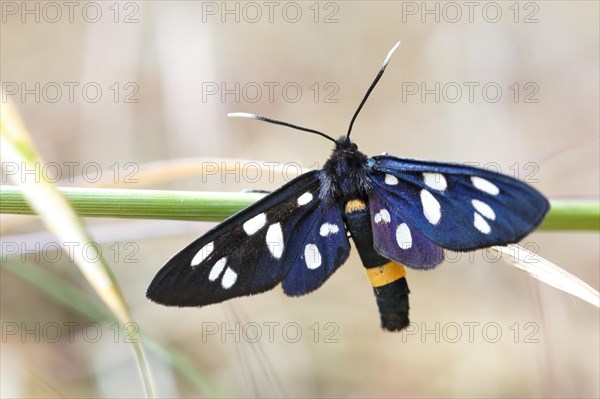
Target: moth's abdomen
391, 290
387, 277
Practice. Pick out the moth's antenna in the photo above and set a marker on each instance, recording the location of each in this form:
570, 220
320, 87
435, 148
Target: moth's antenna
385, 62
276, 122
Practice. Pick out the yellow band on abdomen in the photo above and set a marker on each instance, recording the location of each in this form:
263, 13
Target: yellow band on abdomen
385, 274
355, 205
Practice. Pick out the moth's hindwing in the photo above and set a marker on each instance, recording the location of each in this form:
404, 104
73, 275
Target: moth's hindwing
321, 246
246, 254
396, 240
454, 206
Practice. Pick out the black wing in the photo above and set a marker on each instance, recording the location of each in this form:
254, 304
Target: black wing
254, 250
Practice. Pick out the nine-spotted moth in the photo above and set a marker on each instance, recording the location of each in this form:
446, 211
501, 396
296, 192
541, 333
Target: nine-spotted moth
397, 211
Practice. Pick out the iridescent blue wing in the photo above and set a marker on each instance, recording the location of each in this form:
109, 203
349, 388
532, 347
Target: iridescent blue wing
322, 246
454, 206
395, 239
246, 254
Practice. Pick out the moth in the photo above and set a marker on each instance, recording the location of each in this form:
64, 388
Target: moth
398, 212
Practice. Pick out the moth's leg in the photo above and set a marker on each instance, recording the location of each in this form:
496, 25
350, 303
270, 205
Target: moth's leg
255, 191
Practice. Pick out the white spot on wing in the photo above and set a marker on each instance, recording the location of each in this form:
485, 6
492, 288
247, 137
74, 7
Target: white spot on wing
217, 268
485, 185
229, 278
256, 223
391, 180
403, 236
203, 254
275, 240
383, 216
305, 198
484, 209
431, 207
480, 224
328, 229
437, 181
312, 256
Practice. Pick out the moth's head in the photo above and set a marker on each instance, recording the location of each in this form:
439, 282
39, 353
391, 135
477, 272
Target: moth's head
345, 171
344, 144
346, 154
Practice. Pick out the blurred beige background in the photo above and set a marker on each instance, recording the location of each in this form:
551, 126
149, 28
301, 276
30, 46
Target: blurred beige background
162, 68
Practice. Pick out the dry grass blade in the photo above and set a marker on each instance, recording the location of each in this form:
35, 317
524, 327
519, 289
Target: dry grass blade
547, 272
58, 216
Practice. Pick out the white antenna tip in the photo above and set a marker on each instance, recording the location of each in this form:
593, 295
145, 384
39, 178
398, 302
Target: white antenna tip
387, 59
242, 115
